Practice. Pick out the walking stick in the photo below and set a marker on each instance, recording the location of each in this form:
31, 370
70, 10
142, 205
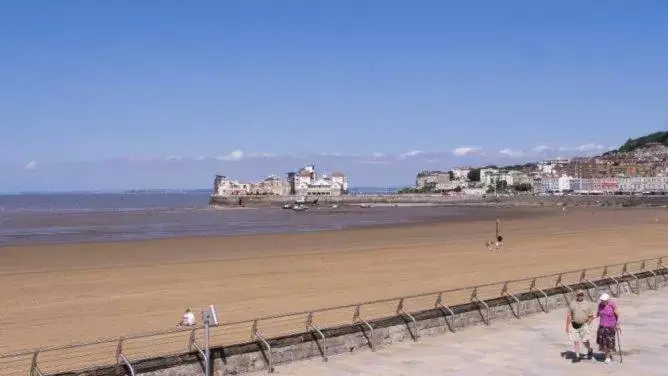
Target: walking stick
619, 345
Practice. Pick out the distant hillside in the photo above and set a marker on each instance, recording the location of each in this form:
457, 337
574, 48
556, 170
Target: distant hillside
641, 142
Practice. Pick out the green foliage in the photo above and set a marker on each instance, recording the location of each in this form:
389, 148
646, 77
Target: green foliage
522, 187
640, 142
451, 174
474, 174
521, 167
427, 173
429, 188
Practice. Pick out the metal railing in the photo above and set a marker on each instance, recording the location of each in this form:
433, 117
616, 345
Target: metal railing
128, 350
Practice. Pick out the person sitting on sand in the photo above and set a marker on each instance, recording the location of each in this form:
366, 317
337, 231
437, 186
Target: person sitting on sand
188, 318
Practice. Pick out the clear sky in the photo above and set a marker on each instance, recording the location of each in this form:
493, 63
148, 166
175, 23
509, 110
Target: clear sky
132, 94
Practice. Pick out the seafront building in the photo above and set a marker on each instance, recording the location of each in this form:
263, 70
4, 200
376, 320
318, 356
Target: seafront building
641, 171
489, 177
608, 185
305, 182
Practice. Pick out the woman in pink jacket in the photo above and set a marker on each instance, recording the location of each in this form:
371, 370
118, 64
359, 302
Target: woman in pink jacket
607, 327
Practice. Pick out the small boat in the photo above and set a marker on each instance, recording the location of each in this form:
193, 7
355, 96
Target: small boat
287, 206
299, 208
366, 206
335, 206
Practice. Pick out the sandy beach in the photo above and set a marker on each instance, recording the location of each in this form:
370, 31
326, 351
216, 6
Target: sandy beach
57, 294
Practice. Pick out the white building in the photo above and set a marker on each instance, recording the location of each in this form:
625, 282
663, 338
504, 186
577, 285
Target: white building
224, 186
431, 179
489, 176
655, 184
555, 185
338, 178
548, 167
461, 173
308, 183
275, 186
516, 178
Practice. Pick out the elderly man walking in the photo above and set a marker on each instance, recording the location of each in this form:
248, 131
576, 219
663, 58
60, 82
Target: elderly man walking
578, 324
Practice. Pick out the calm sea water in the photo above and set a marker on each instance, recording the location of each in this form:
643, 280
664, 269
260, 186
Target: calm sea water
89, 217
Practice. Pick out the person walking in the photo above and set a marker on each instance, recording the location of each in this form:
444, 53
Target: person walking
608, 326
580, 315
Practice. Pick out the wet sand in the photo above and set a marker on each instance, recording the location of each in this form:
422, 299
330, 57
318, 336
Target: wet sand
57, 294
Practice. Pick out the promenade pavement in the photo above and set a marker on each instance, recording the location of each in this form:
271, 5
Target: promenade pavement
534, 345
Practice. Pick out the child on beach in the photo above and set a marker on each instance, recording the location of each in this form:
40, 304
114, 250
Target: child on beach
188, 319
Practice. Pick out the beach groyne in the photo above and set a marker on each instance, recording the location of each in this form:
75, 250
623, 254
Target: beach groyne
484, 305
567, 200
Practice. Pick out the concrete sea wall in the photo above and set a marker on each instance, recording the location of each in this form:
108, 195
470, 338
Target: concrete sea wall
621, 201
254, 356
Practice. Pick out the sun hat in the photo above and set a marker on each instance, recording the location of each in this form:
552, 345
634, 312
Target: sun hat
604, 297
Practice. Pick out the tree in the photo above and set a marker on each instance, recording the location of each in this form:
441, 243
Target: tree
474, 174
636, 143
457, 189
451, 174
522, 187
429, 187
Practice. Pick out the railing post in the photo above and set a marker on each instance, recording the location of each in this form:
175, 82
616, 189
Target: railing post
560, 282
583, 278
358, 317
311, 326
192, 343
643, 266
474, 298
402, 311
34, 368
534, 289
121, 359
608, 276
660, 266
507, 293
439, 304
255, 335
625, 270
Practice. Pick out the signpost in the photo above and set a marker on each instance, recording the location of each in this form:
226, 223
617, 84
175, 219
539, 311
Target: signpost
209, 318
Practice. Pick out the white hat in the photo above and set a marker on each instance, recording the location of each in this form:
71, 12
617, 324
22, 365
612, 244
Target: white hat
604, 297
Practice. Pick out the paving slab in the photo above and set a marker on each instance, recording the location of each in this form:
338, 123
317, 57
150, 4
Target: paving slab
533, 345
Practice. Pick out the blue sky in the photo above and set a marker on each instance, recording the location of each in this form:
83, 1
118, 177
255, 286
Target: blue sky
147, 94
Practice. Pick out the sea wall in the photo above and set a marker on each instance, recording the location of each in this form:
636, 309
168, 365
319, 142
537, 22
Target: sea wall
621, 201
251, 356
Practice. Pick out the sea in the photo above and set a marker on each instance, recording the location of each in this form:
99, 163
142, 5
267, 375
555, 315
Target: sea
39, 218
